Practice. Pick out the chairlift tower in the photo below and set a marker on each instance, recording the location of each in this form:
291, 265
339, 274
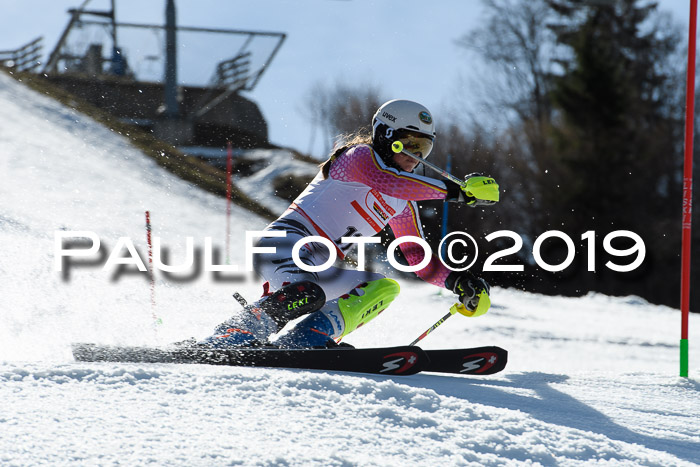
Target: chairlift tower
171, 105
178, 113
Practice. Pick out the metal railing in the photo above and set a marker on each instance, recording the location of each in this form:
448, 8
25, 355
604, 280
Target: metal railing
26, 58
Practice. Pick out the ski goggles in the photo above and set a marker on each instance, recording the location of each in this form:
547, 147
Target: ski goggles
416, 143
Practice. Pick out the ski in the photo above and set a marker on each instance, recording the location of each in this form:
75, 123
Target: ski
401, 360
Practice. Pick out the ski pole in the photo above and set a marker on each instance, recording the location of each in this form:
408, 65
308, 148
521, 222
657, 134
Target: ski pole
453, 309
397, 147
156, 319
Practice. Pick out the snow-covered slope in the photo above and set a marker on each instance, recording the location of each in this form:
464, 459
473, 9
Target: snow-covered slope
590, 380
259, 185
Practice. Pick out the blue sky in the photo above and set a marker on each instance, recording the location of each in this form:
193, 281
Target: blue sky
406, 48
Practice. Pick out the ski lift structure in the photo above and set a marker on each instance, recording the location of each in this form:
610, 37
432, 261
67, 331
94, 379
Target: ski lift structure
183, 112
25, 58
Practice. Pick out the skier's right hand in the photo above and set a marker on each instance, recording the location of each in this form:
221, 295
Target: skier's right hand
477, 190
473, 291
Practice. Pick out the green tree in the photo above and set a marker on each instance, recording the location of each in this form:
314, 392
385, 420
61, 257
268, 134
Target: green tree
616, 130
616, 139
590, 135
512, 124
339, 109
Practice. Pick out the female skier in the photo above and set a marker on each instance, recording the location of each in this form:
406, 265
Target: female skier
363, 187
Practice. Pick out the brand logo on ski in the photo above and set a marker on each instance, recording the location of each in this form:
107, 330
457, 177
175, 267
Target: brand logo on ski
478, 363
400, 362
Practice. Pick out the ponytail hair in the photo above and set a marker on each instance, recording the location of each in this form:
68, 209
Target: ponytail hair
345, 141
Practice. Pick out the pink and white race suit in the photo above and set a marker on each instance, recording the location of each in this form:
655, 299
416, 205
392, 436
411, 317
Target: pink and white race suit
360, 197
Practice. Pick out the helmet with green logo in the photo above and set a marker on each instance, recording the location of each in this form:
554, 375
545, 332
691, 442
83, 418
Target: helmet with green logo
405, 121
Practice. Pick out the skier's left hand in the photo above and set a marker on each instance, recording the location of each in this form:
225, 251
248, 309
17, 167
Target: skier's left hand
473, 291
477, 190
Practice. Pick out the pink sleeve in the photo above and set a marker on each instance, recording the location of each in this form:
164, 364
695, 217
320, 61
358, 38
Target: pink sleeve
361, 164
408, 223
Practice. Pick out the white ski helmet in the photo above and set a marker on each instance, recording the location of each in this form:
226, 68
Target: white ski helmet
400, 119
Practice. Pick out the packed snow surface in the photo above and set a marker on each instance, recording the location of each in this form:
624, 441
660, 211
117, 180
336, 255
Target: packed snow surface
590, 380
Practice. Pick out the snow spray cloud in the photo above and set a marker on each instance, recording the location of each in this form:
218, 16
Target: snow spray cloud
458, 251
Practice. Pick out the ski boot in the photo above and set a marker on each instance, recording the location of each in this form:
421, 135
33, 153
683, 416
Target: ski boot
341, 316
256, 322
